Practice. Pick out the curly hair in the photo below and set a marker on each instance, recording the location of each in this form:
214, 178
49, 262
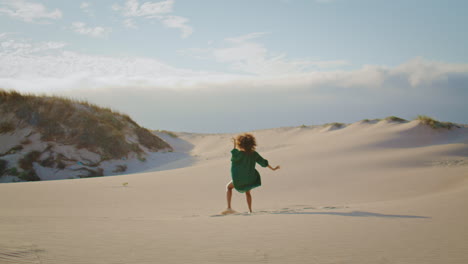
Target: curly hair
246, 142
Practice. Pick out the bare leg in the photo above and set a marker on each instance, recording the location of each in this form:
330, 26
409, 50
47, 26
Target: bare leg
249, 200
229, 188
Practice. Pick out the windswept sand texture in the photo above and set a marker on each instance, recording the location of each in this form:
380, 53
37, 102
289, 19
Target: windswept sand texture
365, 193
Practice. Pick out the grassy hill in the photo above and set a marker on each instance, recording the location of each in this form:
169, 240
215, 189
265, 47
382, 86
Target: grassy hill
37, 129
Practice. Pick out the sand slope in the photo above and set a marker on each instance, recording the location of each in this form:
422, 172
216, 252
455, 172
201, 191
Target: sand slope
366, 193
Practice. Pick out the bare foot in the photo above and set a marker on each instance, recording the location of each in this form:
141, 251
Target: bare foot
228, 211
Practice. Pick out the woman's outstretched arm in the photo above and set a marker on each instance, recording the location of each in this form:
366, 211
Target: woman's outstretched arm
235, 143
275, 168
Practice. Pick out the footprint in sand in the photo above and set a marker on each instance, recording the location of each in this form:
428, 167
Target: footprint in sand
285, 210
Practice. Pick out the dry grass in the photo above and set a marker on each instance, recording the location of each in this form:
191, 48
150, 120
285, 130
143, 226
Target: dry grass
3, 166
6, 127
371, 120
26, 163
120, 168
435, 123
396, 119
149, 140
169, 133
29, 175
78, 123
335, 125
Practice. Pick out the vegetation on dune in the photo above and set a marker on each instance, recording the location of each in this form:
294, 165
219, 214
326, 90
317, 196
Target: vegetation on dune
335, 125
6, 127
78, 123
120, 168
171, 134
396, 119
29, 175
26, 163
149, 140
435, 123
3, 166
12, 150
371, 120
91, 173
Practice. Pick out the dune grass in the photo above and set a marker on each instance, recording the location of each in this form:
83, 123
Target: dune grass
26, 163
395, 119
371, 120
169, 133
6, 127
426, 120
335, 125
3, 166
78, 123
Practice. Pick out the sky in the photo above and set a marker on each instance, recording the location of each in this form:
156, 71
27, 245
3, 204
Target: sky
215, 66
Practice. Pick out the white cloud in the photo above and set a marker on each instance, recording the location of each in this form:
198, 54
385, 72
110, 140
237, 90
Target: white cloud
129, 23
86, 7
81, 28
154, 10
23, 62
178, 22
29, 11
245, 54
141, 86
132, 8
12, 47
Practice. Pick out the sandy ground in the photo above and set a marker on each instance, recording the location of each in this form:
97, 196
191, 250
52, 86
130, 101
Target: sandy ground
366, 193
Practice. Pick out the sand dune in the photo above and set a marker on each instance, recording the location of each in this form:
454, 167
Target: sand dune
365, 193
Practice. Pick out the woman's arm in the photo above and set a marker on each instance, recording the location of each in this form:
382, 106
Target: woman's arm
275, 168
235, 143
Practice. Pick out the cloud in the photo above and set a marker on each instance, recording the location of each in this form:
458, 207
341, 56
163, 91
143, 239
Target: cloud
160, 11
23, 59
178, 22
143, 86
14, 48
86, 7
22, 63
129, 23
29, 11
81, 28
247, 55
132, 8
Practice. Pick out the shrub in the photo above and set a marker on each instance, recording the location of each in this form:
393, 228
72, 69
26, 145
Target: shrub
6, 127
435, 123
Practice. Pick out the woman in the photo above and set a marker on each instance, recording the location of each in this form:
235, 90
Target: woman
243, 173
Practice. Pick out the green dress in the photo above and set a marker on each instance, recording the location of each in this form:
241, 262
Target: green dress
244, 175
